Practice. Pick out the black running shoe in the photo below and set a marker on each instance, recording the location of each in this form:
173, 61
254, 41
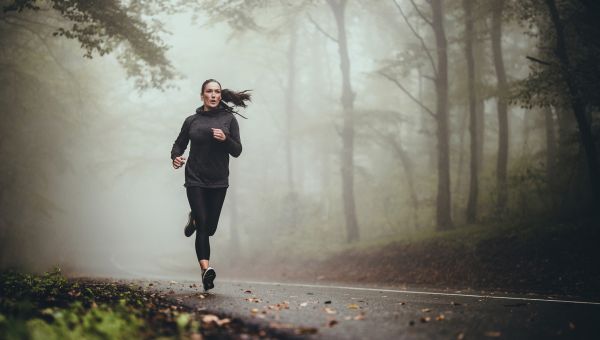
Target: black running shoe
190, 227
208, 277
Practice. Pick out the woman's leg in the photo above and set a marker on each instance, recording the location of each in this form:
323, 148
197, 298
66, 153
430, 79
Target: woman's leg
197, 199
206, 205
214, 203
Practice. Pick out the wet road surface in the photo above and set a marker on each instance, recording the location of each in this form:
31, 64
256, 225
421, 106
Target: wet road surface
344, 312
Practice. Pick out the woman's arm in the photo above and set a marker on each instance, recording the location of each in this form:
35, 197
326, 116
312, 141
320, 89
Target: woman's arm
182, 140
232, 142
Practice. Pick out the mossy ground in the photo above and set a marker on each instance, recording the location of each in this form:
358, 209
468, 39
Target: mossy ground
50, 306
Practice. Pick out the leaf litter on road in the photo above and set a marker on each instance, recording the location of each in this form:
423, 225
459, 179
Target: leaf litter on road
208, 318
493, 334
329, 310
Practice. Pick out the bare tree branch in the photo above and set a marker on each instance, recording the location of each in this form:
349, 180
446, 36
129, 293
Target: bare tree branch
418, 36
320, 29
538, 61
433, 79
42, 39
423, 16
395, 81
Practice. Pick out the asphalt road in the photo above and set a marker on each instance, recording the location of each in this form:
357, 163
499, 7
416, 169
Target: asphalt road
343, 312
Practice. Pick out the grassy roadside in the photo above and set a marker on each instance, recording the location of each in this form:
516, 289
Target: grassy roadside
545, 258
548, 258
50, 306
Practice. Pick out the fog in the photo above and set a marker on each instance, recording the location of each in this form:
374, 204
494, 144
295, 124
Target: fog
87, 181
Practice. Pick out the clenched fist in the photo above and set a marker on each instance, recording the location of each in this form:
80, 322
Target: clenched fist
178, 162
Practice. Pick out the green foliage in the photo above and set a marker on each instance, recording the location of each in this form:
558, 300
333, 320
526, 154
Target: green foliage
545, 86
102, 26
49, 306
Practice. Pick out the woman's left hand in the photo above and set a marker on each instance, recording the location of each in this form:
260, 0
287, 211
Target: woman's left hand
219, 135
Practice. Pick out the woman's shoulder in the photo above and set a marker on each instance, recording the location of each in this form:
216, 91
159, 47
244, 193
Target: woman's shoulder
190, 118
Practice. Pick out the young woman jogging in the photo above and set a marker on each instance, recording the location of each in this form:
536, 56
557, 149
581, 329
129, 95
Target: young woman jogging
214, 134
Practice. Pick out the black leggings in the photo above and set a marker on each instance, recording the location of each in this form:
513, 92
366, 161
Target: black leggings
206, 204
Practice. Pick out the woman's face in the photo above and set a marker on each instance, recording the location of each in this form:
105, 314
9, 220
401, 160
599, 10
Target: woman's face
211, 95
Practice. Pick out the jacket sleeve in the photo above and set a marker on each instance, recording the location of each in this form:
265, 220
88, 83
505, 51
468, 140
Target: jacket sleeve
182, 140
233, 142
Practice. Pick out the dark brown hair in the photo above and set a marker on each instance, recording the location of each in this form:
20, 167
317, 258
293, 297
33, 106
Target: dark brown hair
229, 96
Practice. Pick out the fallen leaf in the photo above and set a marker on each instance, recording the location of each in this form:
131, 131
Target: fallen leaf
401, 303
493, 334
353, 306
248, 292
254, 310
173, 282
425, 310
359, 317
74, 293
460, 336
208, 318
223, 321
347, 317
455, 303
332, 323
425, 319
327, 302
303, 304
440, 317
329, 310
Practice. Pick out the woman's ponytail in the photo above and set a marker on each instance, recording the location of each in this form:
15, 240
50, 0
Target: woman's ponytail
235, 98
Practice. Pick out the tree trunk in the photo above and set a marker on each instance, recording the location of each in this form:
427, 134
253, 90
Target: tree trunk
474, 164
502, 161
443, 215
577, 103
550, 148
480, 55
289, 103
408, 167
458, 184
289, 111
338, 8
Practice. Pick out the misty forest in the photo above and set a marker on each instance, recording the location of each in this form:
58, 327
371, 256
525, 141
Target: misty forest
450, 143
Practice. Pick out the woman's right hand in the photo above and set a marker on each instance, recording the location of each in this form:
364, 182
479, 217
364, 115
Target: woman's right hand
178, 162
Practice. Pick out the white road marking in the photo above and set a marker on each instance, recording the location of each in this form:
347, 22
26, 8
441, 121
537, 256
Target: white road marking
419, 292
